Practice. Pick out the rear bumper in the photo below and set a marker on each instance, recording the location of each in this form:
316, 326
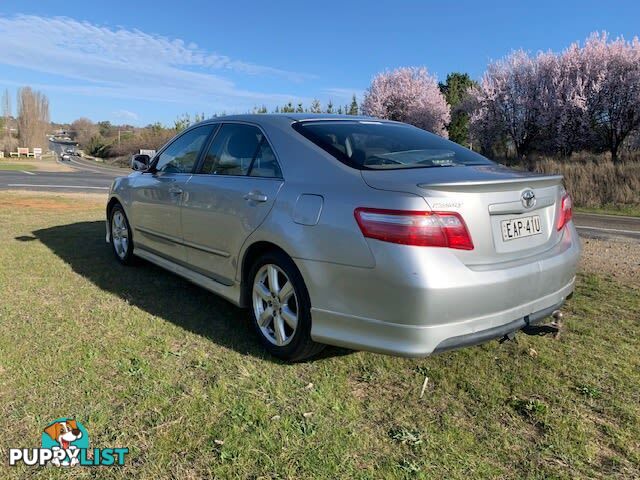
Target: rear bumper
419, 301
419, 341
482, 336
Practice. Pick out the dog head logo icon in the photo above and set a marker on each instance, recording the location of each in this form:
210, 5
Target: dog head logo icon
68, 435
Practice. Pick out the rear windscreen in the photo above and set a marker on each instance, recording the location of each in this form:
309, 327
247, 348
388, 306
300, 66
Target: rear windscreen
371, 145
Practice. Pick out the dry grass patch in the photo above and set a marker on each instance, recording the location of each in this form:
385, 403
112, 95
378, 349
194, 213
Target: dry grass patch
22, 199
45, 164
597, 182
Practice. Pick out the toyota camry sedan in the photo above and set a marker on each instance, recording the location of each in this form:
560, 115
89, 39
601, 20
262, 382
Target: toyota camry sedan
351, 231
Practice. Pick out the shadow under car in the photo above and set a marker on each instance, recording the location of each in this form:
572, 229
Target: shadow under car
154, 290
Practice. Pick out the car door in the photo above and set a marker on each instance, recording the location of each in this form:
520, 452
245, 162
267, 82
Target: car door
156, 196
227, 198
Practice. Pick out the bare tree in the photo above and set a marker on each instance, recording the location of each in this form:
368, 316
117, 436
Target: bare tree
33, 117
6, 116
83, 131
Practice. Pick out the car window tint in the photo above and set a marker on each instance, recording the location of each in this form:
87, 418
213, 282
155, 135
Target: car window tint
374, 145
182, 154
236, 148
265, 163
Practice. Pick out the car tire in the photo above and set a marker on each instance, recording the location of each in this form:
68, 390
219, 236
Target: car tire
120, 235
280, 308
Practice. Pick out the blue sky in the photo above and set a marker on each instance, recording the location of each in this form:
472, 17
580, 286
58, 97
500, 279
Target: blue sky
139, 62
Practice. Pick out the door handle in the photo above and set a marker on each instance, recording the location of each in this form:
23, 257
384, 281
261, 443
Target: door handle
255, 196
175, 191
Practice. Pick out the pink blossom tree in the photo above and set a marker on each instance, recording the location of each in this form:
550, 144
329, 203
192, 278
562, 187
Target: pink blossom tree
612, 90
408, 95
585, 97
508, 102
565, 121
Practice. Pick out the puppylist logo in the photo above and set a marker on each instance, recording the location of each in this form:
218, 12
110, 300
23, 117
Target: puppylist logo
65, 443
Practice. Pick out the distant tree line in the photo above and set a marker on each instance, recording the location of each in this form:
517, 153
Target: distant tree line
316, 107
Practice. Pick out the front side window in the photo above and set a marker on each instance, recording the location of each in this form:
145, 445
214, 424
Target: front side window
374, 145
182, 154
240, 150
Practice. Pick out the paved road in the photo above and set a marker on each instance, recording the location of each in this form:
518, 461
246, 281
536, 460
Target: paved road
87, 177
86, 165
80, 181
593, 225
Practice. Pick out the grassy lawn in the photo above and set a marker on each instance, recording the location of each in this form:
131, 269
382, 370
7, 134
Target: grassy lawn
148, 361
627, 210
47, 163
17, 166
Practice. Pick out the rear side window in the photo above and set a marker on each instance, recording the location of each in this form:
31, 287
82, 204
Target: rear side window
240, 150
373, 145
181, 155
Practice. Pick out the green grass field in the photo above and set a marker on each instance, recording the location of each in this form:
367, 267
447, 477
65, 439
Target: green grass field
148, 361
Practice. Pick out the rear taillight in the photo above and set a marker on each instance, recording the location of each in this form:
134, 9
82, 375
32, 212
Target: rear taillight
407, 227
566, 211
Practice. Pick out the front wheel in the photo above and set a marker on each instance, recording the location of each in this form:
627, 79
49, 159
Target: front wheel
281, 309
121, 237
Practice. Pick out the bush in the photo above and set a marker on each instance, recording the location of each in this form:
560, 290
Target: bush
97, 147
145, 138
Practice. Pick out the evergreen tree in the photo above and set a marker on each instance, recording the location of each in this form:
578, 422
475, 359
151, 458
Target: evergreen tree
315, 106
330, 107
288, 108
353, 108
179, 124
455, 91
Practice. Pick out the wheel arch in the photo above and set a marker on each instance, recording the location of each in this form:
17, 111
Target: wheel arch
251, 254
113, 201
110, 204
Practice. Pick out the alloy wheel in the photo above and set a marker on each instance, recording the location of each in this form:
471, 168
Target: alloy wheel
119, 234
275, 305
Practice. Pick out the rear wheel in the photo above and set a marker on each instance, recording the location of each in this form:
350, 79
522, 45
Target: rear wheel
280, 308
121, 238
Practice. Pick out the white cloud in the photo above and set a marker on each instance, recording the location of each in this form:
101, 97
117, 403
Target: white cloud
121, 63
126, 115
344, 94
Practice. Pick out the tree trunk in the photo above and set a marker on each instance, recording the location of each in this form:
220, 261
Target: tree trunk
614, 152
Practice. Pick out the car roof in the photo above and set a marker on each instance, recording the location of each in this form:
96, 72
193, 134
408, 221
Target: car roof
280, 118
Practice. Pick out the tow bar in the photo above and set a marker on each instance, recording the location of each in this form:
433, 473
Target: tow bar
552, 328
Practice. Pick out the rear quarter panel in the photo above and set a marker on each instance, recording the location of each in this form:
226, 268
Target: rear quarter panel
336, 238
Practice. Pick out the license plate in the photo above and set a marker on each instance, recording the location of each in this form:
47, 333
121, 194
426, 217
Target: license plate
520, 227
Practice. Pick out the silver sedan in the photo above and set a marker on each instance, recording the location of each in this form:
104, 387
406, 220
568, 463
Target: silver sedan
350, 231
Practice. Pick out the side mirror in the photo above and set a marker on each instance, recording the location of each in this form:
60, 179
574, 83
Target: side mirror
140, 162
